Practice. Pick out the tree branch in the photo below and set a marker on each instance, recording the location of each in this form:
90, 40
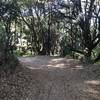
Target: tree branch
78, 51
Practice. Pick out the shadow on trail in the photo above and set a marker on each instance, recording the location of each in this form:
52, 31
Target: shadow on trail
61, 78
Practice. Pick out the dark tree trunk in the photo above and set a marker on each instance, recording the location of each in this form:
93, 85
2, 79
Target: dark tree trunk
87, 55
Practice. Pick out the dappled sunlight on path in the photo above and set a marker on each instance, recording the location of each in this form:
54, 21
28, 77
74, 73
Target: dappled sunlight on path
40, 62
62, 79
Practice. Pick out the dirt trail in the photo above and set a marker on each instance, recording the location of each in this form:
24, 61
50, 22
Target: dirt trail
51, 78
56, 78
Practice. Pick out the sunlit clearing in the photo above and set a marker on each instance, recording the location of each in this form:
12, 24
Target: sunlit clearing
93, 82
93, 91
78, 67
57, 65
57, 59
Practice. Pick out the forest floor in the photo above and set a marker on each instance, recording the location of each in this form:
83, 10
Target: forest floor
51, 78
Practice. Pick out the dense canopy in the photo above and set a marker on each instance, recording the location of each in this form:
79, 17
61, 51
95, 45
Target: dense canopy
45, 27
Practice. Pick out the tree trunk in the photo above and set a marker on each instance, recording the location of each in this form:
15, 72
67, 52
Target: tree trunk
87, 55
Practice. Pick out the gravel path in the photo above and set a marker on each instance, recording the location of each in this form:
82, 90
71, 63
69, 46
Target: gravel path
51, 78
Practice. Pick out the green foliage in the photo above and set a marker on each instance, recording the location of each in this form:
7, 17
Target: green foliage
28, 28
9, 66
96, 51
8, 14
65, 49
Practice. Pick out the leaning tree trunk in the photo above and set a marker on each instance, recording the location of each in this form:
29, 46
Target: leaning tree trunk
87, 55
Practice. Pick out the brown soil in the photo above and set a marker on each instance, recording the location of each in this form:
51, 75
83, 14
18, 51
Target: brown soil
51, 78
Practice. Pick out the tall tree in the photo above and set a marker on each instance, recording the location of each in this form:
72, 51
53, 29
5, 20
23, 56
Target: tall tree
84, 14
8, 13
